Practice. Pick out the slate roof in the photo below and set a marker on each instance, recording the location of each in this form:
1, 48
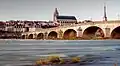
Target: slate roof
66, 17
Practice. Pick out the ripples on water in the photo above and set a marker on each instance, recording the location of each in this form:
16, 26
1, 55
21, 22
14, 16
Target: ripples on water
26, 52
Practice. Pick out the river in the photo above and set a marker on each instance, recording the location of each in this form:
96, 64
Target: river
26, 52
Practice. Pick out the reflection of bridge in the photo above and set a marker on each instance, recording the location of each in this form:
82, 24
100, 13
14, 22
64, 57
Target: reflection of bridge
109, 29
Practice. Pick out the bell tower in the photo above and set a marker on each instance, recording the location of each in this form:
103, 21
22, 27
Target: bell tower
56, 13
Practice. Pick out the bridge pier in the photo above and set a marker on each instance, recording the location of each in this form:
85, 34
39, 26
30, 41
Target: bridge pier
34, 36
107, 31
45, 35
60, 34
79, 34
26, 36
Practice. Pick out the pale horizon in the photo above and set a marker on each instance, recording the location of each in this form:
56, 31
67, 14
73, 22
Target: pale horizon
42, 10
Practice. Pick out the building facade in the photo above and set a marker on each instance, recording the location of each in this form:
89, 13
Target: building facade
63, 19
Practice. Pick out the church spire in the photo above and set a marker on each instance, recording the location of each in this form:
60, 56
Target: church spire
105, 15
56, 13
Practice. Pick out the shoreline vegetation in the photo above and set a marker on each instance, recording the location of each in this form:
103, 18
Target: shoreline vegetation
67, 61
56, 60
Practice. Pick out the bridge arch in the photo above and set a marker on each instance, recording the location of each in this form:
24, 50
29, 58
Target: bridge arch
70, 34
30, 36
115, 34
93, 32
23, 37
52, 35
40, 36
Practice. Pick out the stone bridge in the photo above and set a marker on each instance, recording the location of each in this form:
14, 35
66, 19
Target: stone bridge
91, 30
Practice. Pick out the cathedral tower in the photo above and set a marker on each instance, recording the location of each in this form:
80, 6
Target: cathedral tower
56, 13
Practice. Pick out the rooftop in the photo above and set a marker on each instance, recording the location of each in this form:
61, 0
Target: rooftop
66, 17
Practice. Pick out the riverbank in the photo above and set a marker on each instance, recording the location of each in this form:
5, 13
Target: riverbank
59, 39
80, 38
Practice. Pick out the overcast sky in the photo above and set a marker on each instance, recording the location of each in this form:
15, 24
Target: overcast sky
43, 9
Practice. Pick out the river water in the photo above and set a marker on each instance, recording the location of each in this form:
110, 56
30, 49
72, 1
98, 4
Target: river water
26, 52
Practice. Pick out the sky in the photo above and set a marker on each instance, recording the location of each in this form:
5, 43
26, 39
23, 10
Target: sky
44, 9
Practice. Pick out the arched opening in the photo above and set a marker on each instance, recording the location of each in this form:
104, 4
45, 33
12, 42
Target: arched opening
23, 36
52, 35
116, 33
30, 36
70, 34
27, 29
93, 32
40, 36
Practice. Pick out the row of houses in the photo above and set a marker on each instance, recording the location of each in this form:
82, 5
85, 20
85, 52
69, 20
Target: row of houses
20, 26
14, 29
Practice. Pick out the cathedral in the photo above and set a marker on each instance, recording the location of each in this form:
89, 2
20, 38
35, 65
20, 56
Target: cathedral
63, 20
